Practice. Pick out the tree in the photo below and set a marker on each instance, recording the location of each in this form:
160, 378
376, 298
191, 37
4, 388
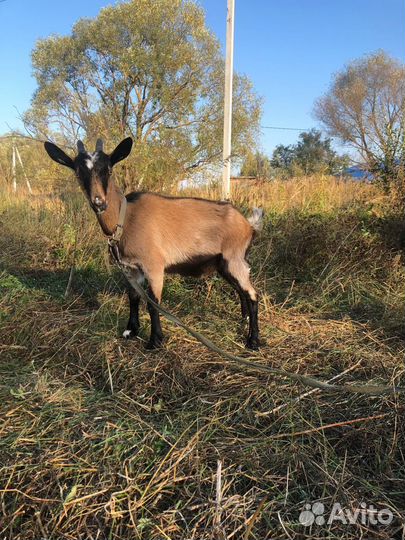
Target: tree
312, 154
364, 108
148, 68
256, 164
282, 157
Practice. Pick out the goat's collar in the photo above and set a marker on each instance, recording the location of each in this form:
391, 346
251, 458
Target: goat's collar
116, 235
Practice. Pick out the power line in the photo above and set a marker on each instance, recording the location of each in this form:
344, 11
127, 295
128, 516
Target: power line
287, 128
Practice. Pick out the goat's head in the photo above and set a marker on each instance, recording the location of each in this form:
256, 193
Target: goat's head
93, 170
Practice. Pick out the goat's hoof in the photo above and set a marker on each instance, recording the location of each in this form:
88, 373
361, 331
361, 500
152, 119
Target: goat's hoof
154, 343
129, 333
253, 344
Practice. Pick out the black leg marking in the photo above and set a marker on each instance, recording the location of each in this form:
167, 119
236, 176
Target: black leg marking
249, 307
133, 322
156, 335
253, 341
243, 305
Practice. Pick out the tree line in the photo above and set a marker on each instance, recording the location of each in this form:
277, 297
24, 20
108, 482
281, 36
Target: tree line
312, 154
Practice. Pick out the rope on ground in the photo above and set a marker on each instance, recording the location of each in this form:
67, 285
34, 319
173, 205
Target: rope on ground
372, 390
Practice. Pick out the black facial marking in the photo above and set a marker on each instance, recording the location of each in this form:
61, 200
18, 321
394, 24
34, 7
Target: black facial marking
102, 168
99, 169
83, 172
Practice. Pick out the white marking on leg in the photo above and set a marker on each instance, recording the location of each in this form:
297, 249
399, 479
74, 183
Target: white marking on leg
126, 334
239, 269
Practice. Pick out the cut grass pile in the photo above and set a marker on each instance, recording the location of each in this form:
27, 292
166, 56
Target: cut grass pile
100, 439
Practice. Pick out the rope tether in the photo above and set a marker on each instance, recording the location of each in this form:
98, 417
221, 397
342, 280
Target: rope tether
372, 390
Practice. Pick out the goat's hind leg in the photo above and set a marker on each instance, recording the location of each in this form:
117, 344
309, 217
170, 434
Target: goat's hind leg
253, 340
237, 272
223, 271
155, 280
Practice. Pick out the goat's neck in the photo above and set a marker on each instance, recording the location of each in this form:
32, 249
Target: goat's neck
109, 218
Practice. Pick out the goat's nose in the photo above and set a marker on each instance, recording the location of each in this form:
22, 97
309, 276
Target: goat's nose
99, 204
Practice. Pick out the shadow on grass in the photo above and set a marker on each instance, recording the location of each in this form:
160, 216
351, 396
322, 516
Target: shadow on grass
86, 282
34, 262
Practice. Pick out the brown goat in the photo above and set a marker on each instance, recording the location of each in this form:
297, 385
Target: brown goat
182, 235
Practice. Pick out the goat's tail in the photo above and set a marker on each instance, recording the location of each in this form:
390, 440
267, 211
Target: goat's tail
256, 219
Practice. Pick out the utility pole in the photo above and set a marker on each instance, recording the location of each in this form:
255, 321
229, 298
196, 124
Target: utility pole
226, 156
16, 155
23, 170
13, 169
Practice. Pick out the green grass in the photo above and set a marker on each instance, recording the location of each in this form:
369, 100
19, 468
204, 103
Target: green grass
102, 439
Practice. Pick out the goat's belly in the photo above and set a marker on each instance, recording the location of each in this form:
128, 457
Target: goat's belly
202, 265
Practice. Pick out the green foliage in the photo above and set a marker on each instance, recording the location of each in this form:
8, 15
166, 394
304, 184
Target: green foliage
256, 164
9, 282
283, 157
311, 155
149, 68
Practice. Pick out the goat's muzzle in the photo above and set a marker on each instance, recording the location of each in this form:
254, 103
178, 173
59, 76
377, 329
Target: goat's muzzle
99, 205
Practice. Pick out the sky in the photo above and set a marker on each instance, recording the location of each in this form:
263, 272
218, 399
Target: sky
290, 49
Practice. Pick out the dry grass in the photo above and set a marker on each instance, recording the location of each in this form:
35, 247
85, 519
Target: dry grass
101, 440
309, 194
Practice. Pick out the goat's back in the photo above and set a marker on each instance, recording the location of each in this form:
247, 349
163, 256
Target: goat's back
178, 229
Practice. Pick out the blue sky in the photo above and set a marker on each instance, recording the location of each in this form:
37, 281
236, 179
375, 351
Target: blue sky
289, 48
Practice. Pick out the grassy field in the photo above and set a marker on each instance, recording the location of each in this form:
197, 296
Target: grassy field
100, 439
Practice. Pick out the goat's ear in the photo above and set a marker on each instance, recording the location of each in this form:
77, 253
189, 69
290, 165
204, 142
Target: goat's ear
122, 151
58, 155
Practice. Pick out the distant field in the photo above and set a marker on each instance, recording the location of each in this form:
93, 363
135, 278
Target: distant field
100, 439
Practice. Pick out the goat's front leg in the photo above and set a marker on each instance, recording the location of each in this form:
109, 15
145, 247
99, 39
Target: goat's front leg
134, 276
133, 321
